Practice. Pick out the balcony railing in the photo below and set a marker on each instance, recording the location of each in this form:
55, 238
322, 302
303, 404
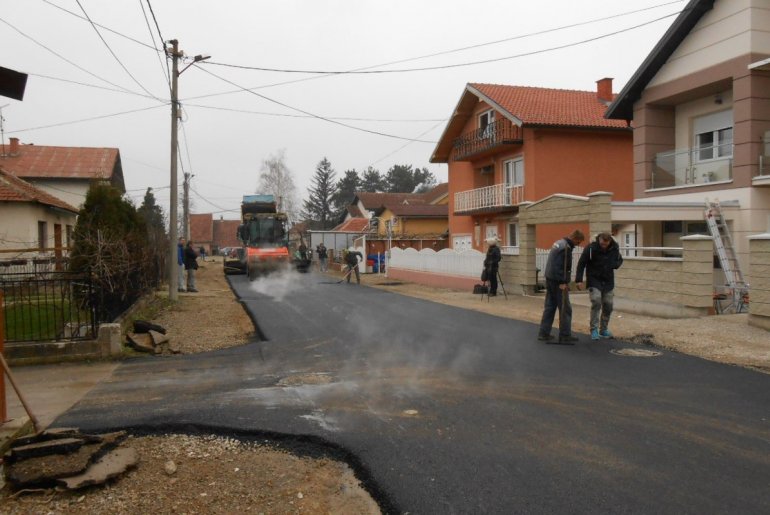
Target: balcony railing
693, 166
478, 141
488, 198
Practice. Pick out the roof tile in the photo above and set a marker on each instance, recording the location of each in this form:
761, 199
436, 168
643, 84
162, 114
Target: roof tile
37, 161
13, 189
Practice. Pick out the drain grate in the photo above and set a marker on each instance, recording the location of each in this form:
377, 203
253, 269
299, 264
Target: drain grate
636, 353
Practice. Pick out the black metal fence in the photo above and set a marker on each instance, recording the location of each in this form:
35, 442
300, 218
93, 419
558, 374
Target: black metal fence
53, 306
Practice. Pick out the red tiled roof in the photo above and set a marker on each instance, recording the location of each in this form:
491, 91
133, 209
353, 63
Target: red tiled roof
374, 200
201, 228
352, 225
13, 189
421, 210
544, 106
36, 161
436, 193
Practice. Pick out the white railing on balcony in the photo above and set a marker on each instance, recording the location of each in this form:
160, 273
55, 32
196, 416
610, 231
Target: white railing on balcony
692, 166
490, 197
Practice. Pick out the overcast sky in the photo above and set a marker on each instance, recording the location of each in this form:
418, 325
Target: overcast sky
227, 131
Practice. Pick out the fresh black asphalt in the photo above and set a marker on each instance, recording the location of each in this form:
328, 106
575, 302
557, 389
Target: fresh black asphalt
444, 410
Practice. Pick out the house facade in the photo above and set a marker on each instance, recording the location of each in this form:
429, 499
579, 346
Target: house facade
64, 172
32, 222
506, 146
700, 108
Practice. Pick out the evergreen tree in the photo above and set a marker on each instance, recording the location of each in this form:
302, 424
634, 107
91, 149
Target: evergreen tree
372, 181
346, 191
318, 206
405, 179
111, 246
152, 214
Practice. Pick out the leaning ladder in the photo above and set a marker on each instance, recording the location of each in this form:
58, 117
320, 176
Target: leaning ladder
726, 253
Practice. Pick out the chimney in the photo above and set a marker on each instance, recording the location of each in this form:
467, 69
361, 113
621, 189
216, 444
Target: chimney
604, 90
14, 147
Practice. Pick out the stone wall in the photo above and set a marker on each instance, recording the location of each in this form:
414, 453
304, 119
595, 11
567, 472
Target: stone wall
759, 281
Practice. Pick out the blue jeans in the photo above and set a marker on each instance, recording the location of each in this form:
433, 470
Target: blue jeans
601, 304
554, 301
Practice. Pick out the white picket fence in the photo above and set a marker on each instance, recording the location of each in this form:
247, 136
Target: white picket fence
466, 263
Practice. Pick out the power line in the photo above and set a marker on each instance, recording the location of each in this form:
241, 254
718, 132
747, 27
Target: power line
311, 114
76, 15
87, 119
289, 115
162, 39
91, 85
113, 53
456, 65
405, 144
67, 60
164, 69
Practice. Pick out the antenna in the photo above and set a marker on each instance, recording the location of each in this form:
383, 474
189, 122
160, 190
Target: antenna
2, 128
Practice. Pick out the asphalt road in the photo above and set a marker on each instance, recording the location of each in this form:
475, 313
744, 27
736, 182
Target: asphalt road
445, 411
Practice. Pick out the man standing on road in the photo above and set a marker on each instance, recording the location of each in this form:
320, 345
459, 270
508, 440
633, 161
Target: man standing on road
492, 264
180, 261
558, 270
322, 257
600, 259
352, 258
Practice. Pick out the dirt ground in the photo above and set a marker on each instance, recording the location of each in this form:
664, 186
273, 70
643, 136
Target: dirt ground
217, 474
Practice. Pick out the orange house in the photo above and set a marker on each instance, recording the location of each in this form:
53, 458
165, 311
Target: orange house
506, 145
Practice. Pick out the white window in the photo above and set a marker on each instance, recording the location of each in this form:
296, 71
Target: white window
514, 172
486, 119
512, 234
490, 231
714, 135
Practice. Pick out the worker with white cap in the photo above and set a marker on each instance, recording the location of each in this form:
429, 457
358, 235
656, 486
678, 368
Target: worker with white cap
491, 265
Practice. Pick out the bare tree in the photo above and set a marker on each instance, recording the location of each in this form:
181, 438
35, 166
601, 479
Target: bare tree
276, 179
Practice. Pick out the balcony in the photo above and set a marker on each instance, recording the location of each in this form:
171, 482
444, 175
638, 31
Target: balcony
762, 175
490, 198
692, 167
482, 142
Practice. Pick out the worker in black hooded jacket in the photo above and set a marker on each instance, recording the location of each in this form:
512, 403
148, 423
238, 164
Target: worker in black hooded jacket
599, 260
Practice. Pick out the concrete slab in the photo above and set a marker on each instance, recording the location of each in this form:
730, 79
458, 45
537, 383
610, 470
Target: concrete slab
111, 465
50, 390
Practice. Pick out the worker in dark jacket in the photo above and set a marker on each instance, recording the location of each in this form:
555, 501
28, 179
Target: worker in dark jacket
351, 259
181, 287
191, 265
558, 270
492, 264
599, 260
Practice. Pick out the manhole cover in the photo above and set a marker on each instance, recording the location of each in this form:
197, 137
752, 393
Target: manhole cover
636, 353
410, 412
300, 379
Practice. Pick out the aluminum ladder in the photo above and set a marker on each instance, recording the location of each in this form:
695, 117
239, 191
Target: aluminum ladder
723, 243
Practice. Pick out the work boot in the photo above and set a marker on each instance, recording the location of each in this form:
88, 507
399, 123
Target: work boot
594, 334
605, 333
544, 337
567, 340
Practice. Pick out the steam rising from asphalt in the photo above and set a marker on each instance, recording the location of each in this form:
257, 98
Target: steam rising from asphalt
278, 284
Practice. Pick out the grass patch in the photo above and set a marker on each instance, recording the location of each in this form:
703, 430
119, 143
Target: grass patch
43, 320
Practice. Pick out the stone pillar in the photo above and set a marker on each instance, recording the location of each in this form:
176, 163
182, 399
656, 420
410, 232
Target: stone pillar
697, 282
109, 340
759, 280
599, 213
527, 276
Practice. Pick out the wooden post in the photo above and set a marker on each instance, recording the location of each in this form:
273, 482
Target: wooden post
3, 409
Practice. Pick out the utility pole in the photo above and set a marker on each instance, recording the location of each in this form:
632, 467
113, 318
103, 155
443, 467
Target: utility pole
173, 265
175, 53
186, 207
